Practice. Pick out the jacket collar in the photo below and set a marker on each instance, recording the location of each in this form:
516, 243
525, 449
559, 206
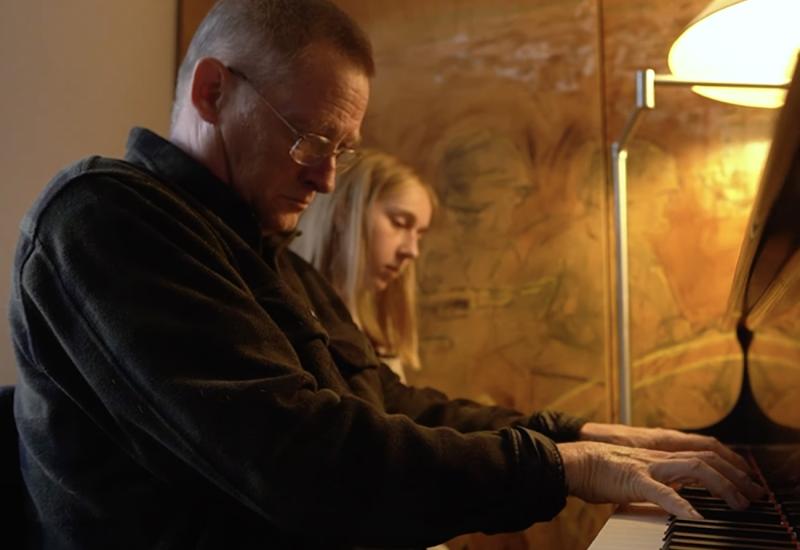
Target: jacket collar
173, 166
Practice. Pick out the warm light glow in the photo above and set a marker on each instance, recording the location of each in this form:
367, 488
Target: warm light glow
740, 41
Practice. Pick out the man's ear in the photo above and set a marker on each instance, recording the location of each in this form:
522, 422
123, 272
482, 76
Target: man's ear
208, 80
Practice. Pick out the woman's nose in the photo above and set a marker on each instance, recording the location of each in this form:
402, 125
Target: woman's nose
409, 248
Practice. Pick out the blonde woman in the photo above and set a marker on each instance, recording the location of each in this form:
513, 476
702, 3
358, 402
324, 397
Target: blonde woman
364, 238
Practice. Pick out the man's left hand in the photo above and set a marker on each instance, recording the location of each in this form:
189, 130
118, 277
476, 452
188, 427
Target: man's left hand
661, 439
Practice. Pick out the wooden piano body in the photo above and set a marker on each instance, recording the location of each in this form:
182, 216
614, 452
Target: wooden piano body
766, 283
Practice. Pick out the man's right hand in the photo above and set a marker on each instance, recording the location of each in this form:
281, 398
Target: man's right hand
600, 472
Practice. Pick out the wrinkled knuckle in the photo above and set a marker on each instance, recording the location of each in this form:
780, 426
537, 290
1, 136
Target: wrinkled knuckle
709, 456
696, 464
664, 490
742, 477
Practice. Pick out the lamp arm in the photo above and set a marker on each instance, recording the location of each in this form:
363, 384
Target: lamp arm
671, 80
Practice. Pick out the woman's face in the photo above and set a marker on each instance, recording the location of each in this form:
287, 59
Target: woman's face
395, 222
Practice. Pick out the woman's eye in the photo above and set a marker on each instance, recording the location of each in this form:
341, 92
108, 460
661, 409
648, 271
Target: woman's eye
400, 223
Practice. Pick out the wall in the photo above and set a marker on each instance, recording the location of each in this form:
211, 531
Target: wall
76, 76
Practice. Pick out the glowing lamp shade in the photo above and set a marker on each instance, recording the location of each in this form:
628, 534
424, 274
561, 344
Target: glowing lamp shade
740, 41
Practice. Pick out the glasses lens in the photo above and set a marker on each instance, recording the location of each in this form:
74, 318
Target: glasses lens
311, 149
346, 157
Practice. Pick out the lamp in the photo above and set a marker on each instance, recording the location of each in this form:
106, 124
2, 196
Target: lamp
740, 41
714, 67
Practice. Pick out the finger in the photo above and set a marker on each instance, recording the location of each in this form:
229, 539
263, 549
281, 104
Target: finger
665, 497
728, 454
739, 478
696, 442
696, 470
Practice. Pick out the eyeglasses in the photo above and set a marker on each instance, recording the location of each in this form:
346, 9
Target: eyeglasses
308, 149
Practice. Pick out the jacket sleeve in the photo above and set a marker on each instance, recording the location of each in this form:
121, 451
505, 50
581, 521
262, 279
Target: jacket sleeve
193, 377
431, 407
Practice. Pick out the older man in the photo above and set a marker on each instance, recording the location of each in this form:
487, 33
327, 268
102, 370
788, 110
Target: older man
186, 382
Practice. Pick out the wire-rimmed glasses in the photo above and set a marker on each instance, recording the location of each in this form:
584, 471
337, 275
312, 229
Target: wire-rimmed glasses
308, 149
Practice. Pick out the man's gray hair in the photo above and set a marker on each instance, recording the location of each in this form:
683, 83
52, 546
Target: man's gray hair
263, 38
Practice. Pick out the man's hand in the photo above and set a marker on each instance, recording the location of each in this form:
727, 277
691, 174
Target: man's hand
659, 439
599, 472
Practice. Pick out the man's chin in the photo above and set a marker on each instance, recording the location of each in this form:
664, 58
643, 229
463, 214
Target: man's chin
282, 224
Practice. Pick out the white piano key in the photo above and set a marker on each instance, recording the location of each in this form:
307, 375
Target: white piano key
633, 527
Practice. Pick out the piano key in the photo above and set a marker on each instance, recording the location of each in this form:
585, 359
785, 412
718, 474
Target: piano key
768, 532
693, 545
633, 526
729, 539
770, 523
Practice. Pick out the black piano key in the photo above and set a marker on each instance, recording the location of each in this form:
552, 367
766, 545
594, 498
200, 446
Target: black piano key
744, 515
726, 523
692, 546
724, 542
692, 491
771, 532
700, 506
679, 543
715, 501
770, 523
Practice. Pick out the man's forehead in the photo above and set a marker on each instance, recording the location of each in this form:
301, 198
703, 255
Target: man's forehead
332, 105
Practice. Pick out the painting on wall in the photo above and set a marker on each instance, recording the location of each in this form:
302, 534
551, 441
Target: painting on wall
498, 107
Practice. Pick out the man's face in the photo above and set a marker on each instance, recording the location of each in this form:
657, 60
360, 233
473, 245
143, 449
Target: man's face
328, 96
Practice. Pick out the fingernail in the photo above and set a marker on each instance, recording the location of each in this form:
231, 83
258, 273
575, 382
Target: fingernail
695, 514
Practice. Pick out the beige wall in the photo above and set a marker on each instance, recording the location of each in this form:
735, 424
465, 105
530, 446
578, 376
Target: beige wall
77, 74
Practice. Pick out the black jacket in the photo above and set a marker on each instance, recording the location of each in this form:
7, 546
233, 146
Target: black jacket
184, 383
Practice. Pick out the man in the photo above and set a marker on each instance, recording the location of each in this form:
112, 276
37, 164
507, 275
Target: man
186, 382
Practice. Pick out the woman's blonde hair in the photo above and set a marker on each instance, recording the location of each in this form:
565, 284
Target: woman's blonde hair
334, 239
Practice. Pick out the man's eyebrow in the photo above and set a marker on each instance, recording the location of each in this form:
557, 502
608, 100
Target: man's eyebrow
356, 142
327, 131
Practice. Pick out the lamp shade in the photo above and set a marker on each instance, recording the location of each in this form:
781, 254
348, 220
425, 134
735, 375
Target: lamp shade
743, 41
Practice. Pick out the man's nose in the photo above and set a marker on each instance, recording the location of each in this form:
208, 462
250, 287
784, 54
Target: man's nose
323, 176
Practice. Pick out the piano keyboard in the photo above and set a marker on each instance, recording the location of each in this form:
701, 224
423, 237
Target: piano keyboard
763, 525
772, 523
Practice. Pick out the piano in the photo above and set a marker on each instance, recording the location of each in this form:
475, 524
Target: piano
766, 283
